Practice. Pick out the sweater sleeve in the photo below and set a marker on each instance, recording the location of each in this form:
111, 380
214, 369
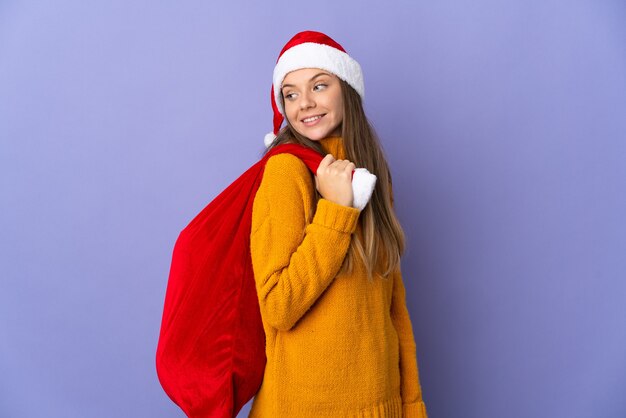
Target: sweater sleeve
412, 402
295, 261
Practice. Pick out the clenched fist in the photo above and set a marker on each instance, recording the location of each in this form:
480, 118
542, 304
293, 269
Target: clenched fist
333, 180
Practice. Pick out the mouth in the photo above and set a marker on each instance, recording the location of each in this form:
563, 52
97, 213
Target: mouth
312, 120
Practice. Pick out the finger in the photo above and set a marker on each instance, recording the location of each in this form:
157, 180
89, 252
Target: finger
349, 167
326, 161
342, 164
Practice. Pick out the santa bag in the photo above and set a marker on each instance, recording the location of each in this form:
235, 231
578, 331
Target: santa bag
210, 356
211, 351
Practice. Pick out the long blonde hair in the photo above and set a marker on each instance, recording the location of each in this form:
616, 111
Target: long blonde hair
382, 242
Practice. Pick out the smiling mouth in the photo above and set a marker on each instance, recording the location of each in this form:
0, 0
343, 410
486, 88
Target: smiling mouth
312, 119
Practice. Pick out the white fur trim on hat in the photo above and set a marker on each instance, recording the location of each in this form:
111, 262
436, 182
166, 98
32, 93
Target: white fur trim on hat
268, 139
363, 183
314, 55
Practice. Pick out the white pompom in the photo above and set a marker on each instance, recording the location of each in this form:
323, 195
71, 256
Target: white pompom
363, 183
269, 138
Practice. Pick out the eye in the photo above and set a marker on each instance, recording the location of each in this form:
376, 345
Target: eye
289, 96
321, 84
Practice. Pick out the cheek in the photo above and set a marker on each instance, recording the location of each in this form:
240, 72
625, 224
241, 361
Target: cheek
338, 105
339, 110
290, 112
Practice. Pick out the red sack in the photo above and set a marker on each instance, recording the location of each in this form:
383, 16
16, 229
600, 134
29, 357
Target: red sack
210, 357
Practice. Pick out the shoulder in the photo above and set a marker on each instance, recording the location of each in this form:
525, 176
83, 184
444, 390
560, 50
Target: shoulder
285, 193
286, 178
287, 167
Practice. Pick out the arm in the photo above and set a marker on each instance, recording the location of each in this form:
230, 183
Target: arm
412, 403
294, 262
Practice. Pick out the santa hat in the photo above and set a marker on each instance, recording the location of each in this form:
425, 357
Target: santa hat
310, 49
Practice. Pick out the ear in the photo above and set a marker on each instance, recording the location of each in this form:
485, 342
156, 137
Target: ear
363, 183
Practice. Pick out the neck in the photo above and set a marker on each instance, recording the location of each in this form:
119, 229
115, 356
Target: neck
333, 144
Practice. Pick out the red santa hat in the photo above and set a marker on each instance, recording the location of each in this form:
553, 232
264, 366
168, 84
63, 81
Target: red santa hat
310, 49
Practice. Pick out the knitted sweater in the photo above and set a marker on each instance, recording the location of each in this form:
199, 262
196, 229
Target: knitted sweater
336, 344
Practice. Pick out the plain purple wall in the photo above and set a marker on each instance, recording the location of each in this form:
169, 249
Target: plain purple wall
505, 127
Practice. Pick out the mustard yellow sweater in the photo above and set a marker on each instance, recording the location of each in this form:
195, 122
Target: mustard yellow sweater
336, 345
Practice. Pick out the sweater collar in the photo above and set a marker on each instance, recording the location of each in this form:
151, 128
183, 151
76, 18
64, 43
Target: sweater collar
334, 145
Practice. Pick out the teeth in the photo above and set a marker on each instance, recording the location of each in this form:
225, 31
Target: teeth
311, 119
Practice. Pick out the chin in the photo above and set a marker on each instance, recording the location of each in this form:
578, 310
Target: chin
317, 135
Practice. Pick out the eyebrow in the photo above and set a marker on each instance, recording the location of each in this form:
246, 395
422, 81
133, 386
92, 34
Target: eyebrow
312, 78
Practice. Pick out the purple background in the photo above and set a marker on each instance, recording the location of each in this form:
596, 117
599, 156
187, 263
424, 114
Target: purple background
505, 127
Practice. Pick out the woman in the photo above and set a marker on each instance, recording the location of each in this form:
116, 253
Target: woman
339, 340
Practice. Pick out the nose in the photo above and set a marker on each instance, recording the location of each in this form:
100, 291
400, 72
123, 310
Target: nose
306, 101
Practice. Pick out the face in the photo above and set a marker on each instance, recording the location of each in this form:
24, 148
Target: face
313, 102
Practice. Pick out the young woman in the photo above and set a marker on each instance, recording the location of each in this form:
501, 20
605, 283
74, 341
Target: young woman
339, 339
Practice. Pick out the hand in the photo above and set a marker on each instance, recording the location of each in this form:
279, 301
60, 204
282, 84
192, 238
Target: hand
334, 180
